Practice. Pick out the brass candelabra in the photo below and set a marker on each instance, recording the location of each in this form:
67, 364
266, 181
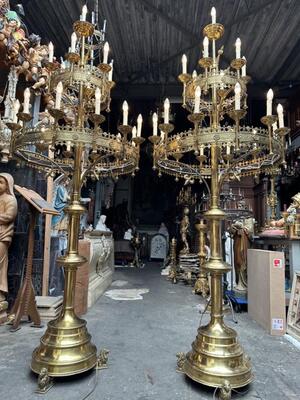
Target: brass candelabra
218, 153
68, 139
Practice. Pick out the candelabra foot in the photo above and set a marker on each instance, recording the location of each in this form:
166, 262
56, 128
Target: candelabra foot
201, 287
65, 348
217, 356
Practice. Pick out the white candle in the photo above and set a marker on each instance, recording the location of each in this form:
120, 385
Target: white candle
166, 111
237, 97
73, 42
197, 100
155, 122
51, 51
213, 15
125, 112
16, 110
110, 74
201, 150
134, 132
83, 13
244, 71
238, 44
205, 47
97, 100
270, 96
184, 64
227, 149
105, 52
93, 17
139, 125
59, 90
280, 116
26, 101
194, 74
274, 126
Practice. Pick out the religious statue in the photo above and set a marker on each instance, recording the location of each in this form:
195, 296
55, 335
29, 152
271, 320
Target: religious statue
164, 231
101, 226
184, 231
292, 211
59, 223
128, 235
60, 200
8, 213
241, 241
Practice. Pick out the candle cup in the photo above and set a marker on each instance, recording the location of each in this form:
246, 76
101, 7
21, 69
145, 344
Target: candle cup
74, 58
237, 115
201, 158
105, 68
83, 28
25, 117
138, 140
269, 120
97, 119
205, 62
213, 31
154, 139
184, 78
167, 128
282, 131
238, 63
125, 129
196, 118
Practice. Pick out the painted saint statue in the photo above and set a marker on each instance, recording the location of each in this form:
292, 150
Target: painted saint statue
8, 213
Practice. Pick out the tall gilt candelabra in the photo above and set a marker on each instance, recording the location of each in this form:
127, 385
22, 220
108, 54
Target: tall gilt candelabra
219, 153
68, 139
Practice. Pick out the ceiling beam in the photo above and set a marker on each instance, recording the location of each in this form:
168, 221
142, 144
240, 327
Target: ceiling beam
170, 21
142, 72
286, 61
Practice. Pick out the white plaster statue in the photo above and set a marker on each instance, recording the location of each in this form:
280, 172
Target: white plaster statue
164, 231
101, 224
128, 234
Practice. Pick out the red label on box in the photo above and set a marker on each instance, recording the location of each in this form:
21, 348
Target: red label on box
277, 263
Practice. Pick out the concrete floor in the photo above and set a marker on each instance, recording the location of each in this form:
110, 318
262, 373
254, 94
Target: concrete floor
143, 337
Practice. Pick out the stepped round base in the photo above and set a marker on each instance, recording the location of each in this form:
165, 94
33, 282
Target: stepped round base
217, 356
65, 348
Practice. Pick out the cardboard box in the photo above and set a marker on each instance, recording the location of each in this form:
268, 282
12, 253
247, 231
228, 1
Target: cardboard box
82, 279
266, 291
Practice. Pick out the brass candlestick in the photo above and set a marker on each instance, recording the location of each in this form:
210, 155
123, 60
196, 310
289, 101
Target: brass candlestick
66, 347
201, 285
173, 269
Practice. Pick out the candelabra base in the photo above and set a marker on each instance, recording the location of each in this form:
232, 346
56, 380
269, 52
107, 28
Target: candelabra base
217, 356
65, 348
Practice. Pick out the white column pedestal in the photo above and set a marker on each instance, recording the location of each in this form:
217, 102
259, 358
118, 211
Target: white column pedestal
102, 264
